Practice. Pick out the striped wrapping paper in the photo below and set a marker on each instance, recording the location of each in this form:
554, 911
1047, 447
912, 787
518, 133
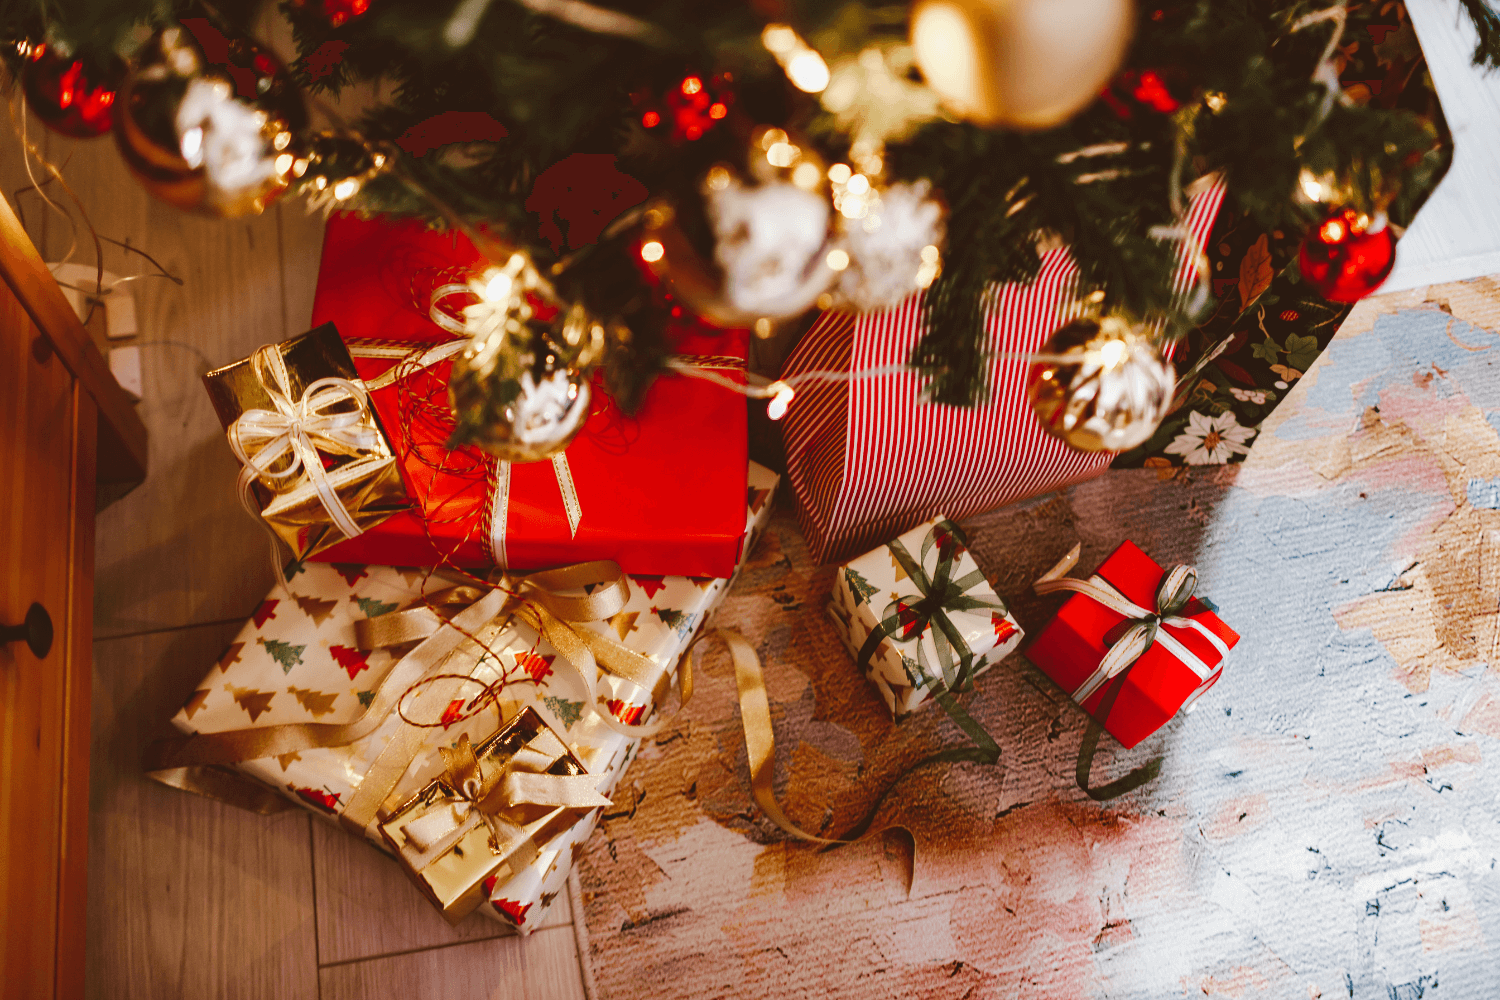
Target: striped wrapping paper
869, 460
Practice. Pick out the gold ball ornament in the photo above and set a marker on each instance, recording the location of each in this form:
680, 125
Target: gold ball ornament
213, 138
1024, 64
1100, 385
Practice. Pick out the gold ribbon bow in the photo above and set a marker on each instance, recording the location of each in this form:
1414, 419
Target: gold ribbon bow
553, 603
487, 793
556, 604
278, 444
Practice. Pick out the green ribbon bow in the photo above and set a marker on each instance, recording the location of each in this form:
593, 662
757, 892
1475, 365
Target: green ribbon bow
940, 594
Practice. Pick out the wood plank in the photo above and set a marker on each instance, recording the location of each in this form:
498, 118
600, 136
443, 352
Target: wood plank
23, 270
73, 824
301, 253
187, 897
178, 550
354, 881
36, 456
541, 967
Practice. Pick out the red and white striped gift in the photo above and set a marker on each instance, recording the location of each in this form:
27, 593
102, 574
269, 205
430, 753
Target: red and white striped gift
869, 460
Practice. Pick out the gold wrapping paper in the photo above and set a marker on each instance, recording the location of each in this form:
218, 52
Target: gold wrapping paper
366, 480
456, 849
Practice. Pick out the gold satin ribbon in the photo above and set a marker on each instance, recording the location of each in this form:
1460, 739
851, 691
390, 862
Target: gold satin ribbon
760, 738
541, 600
490, 792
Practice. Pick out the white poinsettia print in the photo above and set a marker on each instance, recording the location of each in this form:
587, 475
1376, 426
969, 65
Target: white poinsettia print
1211, 440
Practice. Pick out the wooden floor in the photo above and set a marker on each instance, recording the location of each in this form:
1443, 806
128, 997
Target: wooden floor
189, 898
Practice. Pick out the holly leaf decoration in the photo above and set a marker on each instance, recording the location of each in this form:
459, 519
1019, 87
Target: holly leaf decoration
1255, 272
1301, 351
1266, 350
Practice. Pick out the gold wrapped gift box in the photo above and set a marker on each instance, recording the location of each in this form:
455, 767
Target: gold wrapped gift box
356, 463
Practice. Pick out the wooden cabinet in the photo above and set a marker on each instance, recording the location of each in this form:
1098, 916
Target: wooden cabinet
67, 435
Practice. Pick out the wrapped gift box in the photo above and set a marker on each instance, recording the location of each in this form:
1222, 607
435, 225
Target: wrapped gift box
298, 660
357, 463
907, 666
659, 491
1070, 647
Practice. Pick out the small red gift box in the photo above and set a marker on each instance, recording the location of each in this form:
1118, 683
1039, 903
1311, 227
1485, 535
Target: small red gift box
1070, 648
661, 492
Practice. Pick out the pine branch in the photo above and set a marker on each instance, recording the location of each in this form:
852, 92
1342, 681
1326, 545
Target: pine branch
1487, 24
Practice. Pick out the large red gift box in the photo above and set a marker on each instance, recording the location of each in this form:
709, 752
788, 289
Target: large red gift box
1071, 646
661, 492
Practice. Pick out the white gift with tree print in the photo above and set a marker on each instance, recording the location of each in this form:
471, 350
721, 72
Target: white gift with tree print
936, 620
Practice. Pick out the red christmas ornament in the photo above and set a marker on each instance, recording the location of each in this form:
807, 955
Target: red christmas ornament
1348, 255
67, 96
1161, 90
336, 12
689, 109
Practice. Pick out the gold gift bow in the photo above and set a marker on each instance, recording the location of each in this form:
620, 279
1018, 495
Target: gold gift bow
262, 438
557, 618
519, 781
1145, 628
186, 761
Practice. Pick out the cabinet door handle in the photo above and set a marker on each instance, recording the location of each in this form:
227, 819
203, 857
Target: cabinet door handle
36, 630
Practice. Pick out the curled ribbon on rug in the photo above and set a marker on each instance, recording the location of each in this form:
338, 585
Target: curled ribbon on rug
273, 445
1142, 628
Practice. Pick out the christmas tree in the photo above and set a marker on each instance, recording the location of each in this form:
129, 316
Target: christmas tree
753, 161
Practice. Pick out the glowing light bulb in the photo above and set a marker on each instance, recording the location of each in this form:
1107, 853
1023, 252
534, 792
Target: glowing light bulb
497, 287
1113, 353
806, 176
808, 72
839, 173
776, 408
837, 259
345, 188
652, 252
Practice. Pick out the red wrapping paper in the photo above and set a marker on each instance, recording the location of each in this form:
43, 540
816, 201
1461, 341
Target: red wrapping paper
1070, 647
662, 492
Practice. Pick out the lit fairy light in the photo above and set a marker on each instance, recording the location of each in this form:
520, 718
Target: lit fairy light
346, 188
803, 65
497, 286
781, 398
652, 251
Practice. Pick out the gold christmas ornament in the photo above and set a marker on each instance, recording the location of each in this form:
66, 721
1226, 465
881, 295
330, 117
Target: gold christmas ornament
1025, 64
1100, 385
208, 137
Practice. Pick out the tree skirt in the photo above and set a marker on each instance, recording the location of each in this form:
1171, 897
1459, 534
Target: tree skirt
1324, 824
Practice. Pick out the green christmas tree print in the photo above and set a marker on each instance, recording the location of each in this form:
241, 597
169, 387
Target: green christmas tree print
567, 712
682, 621
373, 608
859, 586
283, 653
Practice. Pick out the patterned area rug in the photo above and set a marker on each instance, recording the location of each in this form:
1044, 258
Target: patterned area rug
1324, 824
